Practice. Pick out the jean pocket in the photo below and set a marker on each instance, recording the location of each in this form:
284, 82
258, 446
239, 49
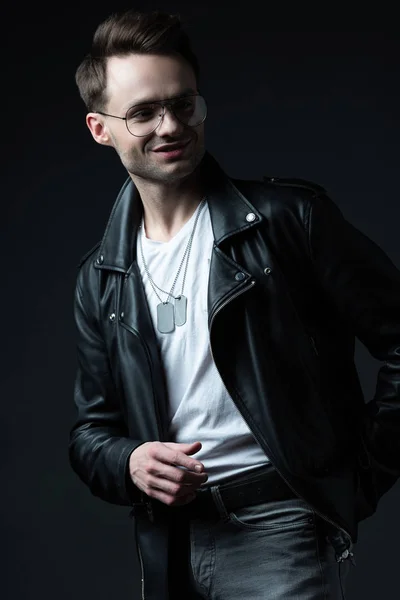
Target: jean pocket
279, 515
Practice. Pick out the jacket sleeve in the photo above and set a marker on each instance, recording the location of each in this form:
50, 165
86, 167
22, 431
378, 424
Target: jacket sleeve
99, 447
364, 285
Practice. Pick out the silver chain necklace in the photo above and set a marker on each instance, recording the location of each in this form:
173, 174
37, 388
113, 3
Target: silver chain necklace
168, 314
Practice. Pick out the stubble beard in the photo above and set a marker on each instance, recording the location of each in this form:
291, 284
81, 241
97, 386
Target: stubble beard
142, 166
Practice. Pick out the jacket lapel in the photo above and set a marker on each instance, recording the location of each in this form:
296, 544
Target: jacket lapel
231, 214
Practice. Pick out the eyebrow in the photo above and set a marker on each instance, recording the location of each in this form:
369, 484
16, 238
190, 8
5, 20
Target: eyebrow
185, 92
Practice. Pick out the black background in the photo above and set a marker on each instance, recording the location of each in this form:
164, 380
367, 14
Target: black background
317, 105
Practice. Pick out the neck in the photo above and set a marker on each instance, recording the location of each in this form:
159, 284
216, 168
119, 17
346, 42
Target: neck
166, 208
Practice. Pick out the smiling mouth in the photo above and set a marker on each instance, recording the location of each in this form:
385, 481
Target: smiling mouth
172, 148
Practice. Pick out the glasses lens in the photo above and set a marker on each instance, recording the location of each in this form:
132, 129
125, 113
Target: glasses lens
143, 119
190, 110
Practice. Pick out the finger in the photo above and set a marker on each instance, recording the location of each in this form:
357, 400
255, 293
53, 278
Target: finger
186, 477
159, 470
175, 454
185, 448
152, 486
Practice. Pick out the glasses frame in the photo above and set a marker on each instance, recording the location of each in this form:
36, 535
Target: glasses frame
163, 103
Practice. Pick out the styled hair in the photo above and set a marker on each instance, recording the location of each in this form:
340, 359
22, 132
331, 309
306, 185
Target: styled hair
130, 32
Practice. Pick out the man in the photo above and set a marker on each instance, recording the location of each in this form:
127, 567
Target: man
216, 388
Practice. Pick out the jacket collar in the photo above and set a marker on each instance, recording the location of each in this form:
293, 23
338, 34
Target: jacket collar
230, 213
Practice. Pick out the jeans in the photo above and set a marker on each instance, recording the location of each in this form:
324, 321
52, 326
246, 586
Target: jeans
273, 550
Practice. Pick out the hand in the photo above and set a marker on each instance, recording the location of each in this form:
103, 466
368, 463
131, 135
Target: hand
155, 468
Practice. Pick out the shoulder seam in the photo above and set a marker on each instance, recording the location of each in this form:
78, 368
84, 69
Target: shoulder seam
294, 182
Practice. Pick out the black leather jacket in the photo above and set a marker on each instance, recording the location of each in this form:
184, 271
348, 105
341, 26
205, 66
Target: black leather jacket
291, 285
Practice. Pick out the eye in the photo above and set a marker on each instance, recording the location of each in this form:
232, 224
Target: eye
183, 104
141, 114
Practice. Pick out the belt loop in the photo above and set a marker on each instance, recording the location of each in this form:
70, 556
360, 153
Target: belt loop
216, 496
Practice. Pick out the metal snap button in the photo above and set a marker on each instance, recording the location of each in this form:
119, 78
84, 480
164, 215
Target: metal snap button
251, 217
112, 317
267, 270
121, 316
240, 276
100, 259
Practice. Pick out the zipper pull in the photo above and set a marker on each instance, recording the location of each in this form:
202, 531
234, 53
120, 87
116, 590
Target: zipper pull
341, 557
150, 512
346, 554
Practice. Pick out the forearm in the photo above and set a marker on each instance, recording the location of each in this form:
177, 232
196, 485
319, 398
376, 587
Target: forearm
100, 456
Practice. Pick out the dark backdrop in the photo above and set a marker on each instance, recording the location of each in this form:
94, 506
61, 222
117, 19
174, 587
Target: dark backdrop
317, 105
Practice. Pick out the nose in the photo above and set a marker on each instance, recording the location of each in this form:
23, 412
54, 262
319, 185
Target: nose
169, 124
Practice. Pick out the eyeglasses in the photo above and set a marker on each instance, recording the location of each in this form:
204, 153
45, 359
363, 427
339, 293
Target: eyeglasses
143, 119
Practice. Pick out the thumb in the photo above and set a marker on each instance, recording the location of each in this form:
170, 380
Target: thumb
188, 449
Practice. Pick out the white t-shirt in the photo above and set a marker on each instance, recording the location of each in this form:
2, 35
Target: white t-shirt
200, 408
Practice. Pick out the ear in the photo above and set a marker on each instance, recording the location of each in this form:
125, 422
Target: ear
98, 129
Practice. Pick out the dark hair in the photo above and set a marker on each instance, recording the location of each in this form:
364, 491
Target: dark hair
130, 32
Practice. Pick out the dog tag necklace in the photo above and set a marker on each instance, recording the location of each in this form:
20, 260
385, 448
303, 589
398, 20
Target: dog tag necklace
168, 314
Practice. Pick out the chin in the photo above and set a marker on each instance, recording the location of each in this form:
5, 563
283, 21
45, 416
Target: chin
180, 169
177, 174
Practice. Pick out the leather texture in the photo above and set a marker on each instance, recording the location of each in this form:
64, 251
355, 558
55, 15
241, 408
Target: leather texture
282, 336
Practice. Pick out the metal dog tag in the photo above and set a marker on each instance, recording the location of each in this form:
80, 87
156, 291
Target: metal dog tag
165, 317
180, 310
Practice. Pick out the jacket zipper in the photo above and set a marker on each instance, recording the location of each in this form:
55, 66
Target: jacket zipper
142, 573
235, 295
324, 517
314, 345
148, 356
